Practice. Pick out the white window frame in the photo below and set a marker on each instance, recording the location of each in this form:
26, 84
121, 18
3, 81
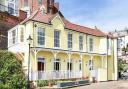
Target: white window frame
22, 35
57, 39
43, 61
40, 29
14, 6
13, 38
70, 61
91, 66
91, 44
57, 60
70, 39
81, 42
80, 65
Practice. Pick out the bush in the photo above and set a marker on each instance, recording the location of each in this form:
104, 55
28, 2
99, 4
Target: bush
11, 73
42, 83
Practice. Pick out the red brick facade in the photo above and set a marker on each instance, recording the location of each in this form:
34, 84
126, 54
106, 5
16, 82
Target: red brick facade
8, 21
50, 5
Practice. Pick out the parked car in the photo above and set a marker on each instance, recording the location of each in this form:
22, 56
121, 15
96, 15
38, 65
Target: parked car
124, 75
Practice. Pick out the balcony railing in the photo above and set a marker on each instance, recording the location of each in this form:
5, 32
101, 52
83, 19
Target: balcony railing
10, 10
54, 75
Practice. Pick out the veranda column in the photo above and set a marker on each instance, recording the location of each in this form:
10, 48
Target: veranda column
69, 59
81, 57
53, 74
36, 63
102, 61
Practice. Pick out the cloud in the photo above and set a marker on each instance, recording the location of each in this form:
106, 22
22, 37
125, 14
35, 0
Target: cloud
106, 14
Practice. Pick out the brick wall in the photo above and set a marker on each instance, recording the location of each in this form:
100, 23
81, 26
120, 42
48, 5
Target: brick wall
8, 21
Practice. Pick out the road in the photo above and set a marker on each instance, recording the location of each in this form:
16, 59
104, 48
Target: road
106, 85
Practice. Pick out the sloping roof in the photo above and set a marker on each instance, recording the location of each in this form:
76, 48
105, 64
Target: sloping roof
83, 29
38, 16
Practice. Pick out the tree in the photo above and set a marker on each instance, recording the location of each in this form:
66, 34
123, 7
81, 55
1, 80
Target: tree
121, 65
11, 73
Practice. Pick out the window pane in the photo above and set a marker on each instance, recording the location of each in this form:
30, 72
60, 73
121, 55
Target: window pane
11, 8
56, 39
69, 40
80, 42
41, 36
91, 44
22, 35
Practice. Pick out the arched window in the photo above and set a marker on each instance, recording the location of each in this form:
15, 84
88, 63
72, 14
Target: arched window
41, 36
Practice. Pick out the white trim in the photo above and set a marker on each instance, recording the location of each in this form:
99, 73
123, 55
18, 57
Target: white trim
59, 19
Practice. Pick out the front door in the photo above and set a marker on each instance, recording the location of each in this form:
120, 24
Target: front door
41, 65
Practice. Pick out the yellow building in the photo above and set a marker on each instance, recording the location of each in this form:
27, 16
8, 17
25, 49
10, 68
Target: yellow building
61, 49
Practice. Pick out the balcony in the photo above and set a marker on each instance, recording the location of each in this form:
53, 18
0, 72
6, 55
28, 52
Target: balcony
55, 75
9, 10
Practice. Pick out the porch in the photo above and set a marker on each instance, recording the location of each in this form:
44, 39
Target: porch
55, 75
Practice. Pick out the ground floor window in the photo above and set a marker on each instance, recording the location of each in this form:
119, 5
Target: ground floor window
69, 65
80, 65
90, 64
56, 64
41, 64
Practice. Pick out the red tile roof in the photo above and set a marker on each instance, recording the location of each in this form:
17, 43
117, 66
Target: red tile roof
38, 16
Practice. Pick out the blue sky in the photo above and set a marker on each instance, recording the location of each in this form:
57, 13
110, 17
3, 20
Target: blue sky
107, 15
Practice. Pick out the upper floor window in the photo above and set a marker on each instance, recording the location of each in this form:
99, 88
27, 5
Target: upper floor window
21, 35
11, 8
80, 42
56, 38
40, 2
12, 37
69, 41
90, 44
25, 3
41, 36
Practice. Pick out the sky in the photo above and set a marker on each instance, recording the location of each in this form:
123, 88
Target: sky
107, 15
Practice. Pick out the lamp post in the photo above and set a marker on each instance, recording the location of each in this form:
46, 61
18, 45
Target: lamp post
29, 43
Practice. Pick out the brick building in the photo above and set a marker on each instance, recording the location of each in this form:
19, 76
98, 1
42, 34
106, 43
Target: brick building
8, 19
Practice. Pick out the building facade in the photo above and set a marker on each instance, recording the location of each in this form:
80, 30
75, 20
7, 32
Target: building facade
9, 17
122, 42
61, 49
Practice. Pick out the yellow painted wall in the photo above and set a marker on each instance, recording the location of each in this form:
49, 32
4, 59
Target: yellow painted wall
85, 69
57, 24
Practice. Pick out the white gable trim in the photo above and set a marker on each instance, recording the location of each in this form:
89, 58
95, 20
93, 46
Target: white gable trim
59, 18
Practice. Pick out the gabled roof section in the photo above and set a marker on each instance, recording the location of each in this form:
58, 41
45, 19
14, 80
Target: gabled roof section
83, 29
47, 18
60, 18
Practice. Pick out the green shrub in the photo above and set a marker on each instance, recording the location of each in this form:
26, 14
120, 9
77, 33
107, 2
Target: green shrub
11, 73
42, 83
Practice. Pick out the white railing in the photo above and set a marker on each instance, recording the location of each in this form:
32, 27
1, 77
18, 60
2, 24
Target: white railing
52, 75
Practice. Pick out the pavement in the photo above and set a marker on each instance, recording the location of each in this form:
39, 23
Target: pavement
121, 84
